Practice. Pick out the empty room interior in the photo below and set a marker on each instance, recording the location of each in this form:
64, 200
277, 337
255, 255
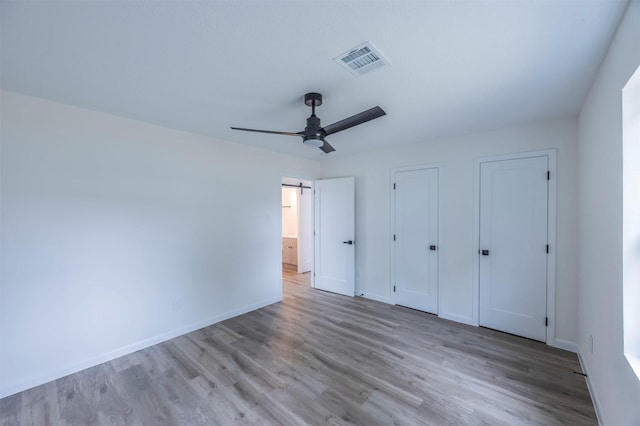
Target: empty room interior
349, 212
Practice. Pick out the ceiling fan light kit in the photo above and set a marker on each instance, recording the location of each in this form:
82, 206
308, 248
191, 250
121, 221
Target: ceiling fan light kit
313, 142
314, 134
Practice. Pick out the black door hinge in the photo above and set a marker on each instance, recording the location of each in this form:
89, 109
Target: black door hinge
547, 248
394, 186
548, 175
394, 237
394, 288
546, 321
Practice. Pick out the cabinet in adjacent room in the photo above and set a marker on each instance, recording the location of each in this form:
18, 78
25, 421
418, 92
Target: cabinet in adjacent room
290, 250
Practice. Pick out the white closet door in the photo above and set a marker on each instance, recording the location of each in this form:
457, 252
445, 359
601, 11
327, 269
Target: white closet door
513, 246
416, 239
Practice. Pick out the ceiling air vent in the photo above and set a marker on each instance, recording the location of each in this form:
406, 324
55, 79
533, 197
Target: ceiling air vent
362, 59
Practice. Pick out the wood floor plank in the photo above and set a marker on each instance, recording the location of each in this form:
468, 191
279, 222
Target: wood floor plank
320, 358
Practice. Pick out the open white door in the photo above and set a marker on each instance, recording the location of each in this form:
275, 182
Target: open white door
334, 235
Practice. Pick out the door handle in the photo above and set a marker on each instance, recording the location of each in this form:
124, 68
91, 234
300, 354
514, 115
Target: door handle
348, 242
485, 252
433, 248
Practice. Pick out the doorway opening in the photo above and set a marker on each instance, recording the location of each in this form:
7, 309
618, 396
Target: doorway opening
297, 226
318, 232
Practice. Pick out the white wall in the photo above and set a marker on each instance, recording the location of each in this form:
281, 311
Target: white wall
289, 212
616, 388
456, 159
118, 234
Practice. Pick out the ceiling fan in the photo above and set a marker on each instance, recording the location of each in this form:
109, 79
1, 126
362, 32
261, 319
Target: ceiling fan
314, 134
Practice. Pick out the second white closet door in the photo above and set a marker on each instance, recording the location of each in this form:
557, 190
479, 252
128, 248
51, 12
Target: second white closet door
416, 239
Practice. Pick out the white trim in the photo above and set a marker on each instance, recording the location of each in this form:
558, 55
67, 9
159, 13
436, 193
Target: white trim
475, 246
565, 344
457, 318
376, 297
392, 215
630, 225
551, 154
592, 390
552, 224
19, 386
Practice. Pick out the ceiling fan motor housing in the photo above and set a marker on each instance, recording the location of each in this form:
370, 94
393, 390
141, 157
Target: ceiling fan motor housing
313, 129
313, 126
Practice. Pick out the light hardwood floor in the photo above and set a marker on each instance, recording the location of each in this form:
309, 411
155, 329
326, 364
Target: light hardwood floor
320, 358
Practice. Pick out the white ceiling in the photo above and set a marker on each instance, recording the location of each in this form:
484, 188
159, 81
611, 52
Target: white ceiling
457, 66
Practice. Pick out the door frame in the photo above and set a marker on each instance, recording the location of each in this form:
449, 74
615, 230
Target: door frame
392, 197
309, 229
552, 214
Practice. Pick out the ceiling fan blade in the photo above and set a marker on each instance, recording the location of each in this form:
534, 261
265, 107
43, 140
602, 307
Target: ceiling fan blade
354, 120
267, 131
326, 148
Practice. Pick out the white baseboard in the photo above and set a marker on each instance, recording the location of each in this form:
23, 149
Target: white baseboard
376, 297
564, 344
19, 386
592, 390
457, 318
